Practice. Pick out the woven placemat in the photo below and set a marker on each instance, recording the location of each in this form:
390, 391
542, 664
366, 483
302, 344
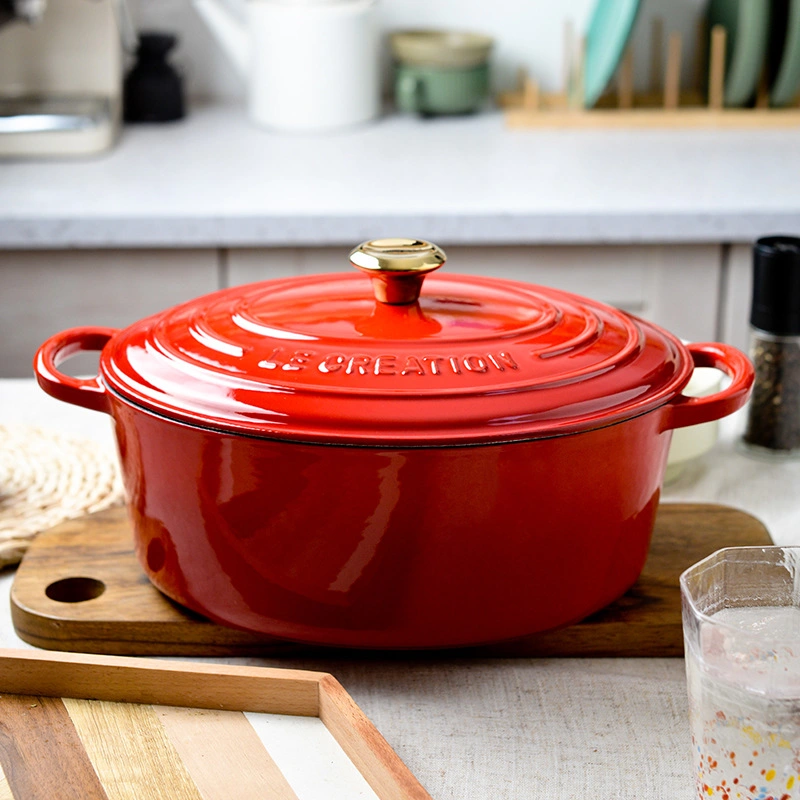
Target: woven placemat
46, 478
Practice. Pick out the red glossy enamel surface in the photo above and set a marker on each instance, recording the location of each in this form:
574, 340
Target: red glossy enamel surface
388, 547
287, 531
318, 359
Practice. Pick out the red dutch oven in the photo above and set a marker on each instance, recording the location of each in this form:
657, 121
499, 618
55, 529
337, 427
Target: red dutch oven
395, 465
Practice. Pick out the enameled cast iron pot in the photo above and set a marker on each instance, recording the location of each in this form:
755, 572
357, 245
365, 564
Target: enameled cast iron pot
327, 462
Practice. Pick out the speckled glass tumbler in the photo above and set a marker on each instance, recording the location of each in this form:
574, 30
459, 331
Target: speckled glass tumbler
741, 624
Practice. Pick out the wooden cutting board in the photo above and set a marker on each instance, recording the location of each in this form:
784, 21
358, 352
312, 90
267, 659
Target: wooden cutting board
80, 588
93, 727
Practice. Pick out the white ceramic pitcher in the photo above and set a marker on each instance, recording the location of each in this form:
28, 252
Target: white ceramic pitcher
309, 65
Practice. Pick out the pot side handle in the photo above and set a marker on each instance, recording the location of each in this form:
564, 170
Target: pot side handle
682, 411
85, 392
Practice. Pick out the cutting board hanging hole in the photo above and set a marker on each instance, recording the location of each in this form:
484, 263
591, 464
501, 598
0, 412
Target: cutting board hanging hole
75, 590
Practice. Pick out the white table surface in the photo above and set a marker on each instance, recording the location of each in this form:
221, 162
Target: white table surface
517, 728
215, 179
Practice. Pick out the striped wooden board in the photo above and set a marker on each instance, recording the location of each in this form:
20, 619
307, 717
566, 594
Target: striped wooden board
108, 728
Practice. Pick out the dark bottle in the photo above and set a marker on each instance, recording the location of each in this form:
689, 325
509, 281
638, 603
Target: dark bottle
153, 90
773, 423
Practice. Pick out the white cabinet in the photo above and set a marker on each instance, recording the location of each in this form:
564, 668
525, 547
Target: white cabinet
736, 296
44, 292
675, 286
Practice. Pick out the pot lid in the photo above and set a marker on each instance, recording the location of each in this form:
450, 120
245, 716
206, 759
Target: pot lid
386, 359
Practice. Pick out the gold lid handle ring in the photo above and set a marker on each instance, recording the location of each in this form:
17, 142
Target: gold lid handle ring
397, 267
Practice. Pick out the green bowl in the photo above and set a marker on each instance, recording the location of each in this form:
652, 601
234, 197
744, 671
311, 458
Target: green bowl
438, 90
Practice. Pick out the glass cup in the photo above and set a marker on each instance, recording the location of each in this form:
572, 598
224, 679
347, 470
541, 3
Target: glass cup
741, 625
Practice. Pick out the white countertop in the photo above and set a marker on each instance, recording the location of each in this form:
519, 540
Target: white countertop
517, 728
216, 180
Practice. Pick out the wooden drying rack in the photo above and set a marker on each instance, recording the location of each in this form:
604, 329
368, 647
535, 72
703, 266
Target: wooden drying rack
663, 105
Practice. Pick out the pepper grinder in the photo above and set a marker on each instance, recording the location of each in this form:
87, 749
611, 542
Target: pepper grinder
773, 423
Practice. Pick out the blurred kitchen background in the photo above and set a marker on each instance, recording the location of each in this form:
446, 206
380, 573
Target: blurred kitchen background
659, 222
528, 34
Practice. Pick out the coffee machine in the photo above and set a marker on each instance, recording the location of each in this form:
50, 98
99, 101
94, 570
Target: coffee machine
61, 65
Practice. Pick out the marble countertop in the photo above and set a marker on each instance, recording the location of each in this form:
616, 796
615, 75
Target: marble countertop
216, 180
471, 729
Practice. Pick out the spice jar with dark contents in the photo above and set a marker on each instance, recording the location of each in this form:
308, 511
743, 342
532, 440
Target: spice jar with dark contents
773, 423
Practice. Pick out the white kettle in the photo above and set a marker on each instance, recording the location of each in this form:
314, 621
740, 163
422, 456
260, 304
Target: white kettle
309, 65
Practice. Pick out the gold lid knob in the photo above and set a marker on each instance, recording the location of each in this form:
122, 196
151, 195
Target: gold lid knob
397, 267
